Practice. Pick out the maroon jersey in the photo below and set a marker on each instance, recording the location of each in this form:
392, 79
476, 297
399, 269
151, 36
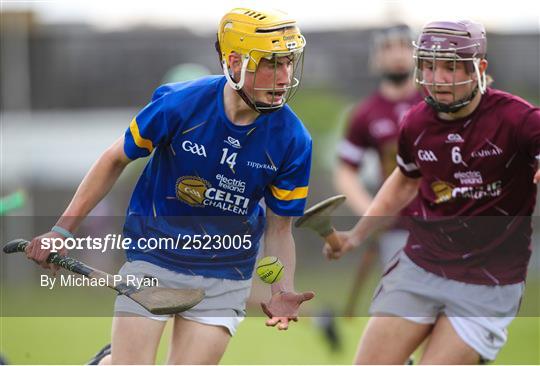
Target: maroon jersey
374, 124
477, 193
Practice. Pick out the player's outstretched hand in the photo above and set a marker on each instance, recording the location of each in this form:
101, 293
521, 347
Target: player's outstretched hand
346, 242
283, 308
39, 254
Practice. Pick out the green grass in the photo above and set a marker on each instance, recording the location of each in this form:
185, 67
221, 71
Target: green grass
73, 340
40, 340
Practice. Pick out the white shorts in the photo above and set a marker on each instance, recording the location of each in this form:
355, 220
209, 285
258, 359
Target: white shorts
223, 305
390, 243
479, 314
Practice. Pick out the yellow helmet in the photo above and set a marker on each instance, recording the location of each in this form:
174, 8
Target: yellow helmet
258, 34
255, 35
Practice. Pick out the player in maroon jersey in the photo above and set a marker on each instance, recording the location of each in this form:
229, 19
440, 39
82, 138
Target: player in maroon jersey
470, 153
374, 125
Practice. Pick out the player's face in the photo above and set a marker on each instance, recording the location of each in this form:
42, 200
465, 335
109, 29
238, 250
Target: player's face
449, 79
395, 56
270, 82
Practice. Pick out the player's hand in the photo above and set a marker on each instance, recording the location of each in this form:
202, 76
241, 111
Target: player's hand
39, 254
537, 177
283, 308
346, 241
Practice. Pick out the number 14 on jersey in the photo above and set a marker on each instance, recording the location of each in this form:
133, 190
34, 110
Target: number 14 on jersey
230, 159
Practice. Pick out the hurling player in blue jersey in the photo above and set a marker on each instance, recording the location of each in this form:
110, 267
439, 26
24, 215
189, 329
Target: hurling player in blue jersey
219, 146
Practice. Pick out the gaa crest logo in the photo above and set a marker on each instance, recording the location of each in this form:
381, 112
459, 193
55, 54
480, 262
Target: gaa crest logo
233, 142
443, 191
191, 190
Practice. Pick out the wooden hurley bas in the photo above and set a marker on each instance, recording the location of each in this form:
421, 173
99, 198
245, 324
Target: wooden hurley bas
318, 218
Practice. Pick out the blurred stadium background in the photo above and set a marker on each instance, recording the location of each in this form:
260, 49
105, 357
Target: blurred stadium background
70, 85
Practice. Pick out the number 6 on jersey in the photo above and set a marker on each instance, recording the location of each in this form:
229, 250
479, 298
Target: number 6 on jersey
456, 155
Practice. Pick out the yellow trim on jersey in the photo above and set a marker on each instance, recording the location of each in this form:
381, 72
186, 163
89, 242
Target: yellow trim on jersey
286, 195
139, 140
194, 127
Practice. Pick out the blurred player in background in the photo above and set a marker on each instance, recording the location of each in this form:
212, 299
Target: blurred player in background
374, 124
470, 153
220, 144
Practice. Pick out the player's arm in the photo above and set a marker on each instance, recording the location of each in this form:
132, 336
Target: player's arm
399, 189
285, 302
347, 183
350, 151
395, 194
147, 130
286, 197
279, 242
528, 134
95, 185
534, 133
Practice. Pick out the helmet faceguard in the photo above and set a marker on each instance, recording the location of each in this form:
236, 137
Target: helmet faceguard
461, 41
255, 36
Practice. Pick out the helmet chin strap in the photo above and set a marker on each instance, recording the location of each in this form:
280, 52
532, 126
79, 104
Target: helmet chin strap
259, 107
236, 85
452, 107
482, 82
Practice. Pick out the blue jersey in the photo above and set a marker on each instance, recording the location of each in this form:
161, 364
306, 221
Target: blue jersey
207, 176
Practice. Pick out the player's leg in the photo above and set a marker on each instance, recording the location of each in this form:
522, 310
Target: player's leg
390, 340
405, 312
135, 331
201, 334
364, 269
391, 243
194, 343
135, 340
475, 321
445, 346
